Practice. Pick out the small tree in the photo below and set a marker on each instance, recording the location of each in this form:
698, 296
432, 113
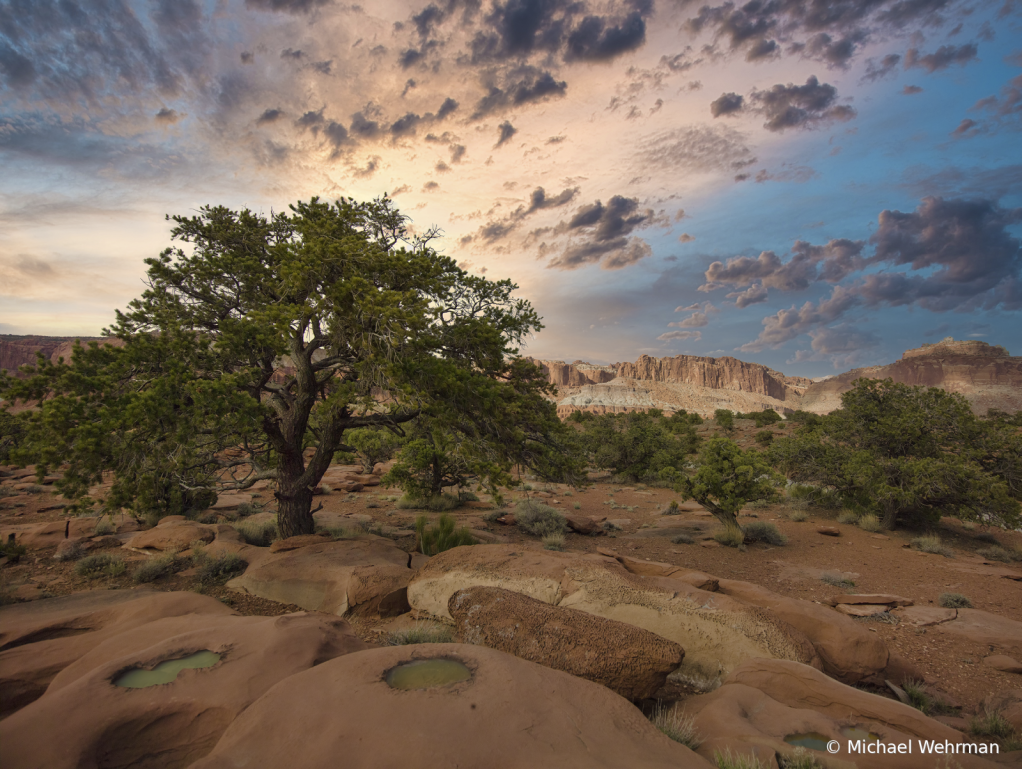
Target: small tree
725, 420
637, 445
373, 446
727, 478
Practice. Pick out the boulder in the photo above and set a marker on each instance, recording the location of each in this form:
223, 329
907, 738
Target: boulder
302, 540
171, 724
764, 701
862, 609
633, 662
848, 650
656, 569
40, 639
829, 531
511, 713
580, 525
997, 633
40, 536
715, 631
924, 616
1004, 663
172, 534
364, 575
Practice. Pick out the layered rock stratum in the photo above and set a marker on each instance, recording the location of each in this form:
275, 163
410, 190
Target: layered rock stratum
18, 351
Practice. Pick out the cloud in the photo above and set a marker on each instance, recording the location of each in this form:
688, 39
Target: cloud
942, 58
965, 128
680, 335
754, 294
800, 106
605, 231
685, 238
167, 116
727, 104
695, 320
788, 324
269, 116
286, 6
808, 264
909, 90
695, 149
875, 71
597, 40
538, 201
506, 132
533, 86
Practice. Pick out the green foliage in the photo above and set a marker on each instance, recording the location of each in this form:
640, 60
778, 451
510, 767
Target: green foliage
438, 503
870, 522
553, 541
276, 336
990, 724
727, 478
441, 536
931, 543
798, 516
954, 601
100, 565
373, 446
725, 420
729, 760
673, 508
258, 534
764, 437
730, 536
837, 579
682, 539
909, 453
762, 531
104, 527
12, 431
799, 758
154, 568
998, 553
849, 517
675, 724
538, 519
639, 446
12, 551
924, 701
217, 569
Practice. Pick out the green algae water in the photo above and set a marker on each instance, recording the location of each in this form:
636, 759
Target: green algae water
166, 671
858, 733
811, 740
427, 674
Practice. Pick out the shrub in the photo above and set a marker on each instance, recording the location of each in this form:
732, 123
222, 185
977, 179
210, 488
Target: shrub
931, 543
727, 760
249, 508
673, 508
154, 568
610, 526
438, 503
468, 496
730, 536
682, 539
577, 506
922, 700
799, 758
104, 527
217, 569
34, 489
538, 519
992, 724
493, 515
954, 601
837, 579
12, 551
798, 516
848, 517
553, 542
997, 553
71, 551
676, 725
422, 633
764, 437
442, 536
258, 534
99, 565
870, 522
985, 536
761, 531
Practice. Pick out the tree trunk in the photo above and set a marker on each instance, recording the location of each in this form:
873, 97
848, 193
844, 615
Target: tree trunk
294, 498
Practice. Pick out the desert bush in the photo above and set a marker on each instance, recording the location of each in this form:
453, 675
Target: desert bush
762, 531
730, 536
799, 758
422, 633
837, 579
12, 551
468, 496
931, 543
798, 516
217, 569
870, 522
154, 568
997, 553
954, 601
764, 437
553, 542
442, 536
33, 489
258, 534
729, 760
682, 539
924, 701
72, 551
249, 508
673, 508
610, 526
990, 724
848, 517
493, 515
676, 725
577, 506
99, 565
986, 536
538, 519
437, 503
104, 527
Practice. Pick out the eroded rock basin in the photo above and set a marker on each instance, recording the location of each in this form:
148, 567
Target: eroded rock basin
427, 674
166, 671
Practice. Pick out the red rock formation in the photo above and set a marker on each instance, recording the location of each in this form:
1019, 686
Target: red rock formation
17, 351
987, 375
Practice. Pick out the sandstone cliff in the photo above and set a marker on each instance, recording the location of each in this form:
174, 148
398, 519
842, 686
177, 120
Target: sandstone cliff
985, 374
17, 351
685, 382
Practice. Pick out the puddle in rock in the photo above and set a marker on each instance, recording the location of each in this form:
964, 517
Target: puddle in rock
427, 674
166, 671
858, 733
811, 740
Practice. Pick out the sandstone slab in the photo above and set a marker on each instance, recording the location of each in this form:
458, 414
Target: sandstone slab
870, 598
344, 710
862, 609
172, 534
1004, 663
630, 661
925, 616
364, 575
1002, 634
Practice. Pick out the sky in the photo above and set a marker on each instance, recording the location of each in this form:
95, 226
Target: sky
811, 185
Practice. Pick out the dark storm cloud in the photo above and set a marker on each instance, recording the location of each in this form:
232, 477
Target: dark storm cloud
830, 31
533, 86
800, 106
727, 104
286, 6
269, 116
942, 58
946, 255
877, 71
506, 132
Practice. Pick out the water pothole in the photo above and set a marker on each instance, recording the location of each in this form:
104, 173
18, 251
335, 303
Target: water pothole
428, 674
166, 671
